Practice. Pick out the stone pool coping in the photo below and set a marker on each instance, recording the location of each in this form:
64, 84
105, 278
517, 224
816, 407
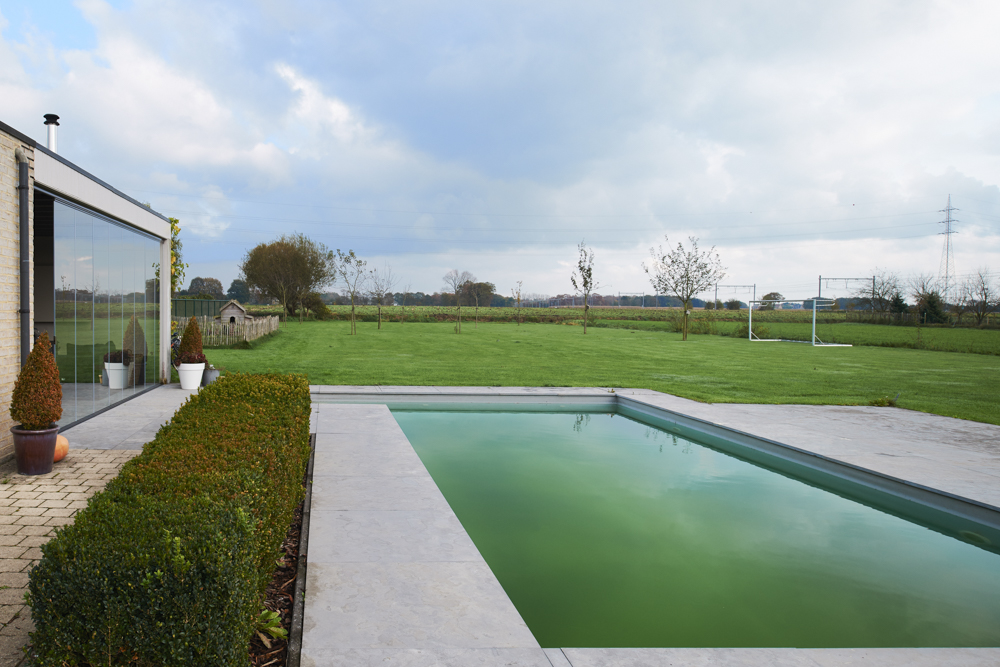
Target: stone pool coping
392, 579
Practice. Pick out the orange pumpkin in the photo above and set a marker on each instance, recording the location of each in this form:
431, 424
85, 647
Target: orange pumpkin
62, 448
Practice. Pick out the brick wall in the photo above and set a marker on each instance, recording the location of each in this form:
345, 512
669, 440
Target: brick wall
10, 291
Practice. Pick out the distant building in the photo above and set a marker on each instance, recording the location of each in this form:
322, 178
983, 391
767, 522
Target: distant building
233, 313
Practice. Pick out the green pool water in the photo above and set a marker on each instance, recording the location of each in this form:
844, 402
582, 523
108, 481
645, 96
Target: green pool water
607, 532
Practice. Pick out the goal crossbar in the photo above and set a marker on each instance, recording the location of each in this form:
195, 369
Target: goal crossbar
814, 341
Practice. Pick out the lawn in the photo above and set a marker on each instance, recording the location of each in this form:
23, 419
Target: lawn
942, 339
705, 368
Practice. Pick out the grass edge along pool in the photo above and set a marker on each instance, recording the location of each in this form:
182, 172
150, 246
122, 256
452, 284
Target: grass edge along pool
981, 537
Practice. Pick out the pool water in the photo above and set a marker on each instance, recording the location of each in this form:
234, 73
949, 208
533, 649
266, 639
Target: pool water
607, 532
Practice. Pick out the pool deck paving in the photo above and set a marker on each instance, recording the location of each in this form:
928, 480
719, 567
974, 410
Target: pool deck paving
393, 579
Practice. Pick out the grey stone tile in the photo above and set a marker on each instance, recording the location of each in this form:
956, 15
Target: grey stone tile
387, 436
389, 536
409, 605
557, 658
906, 657
483, 657
367, 462
415, 492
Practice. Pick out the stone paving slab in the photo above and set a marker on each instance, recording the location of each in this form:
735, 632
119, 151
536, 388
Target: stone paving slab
131, 424
31, 508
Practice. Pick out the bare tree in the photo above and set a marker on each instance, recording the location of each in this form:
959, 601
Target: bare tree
684, 273
381, 283
406, 296
583, 282
515, 293
930, 306
353, 270
984, 295
879, 294
455, 282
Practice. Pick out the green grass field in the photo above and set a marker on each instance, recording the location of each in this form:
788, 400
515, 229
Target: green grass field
705, 368
942, 339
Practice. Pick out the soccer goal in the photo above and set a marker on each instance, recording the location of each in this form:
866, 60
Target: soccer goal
816, 304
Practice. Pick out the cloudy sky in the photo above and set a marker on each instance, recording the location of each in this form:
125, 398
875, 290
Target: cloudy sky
800, 138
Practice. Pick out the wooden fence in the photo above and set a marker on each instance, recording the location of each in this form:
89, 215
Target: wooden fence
215, 333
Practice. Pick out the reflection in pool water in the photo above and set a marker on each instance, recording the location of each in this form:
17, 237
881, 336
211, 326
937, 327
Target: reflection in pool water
608, 532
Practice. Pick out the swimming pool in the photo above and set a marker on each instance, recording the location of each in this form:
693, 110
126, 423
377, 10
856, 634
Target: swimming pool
607, 531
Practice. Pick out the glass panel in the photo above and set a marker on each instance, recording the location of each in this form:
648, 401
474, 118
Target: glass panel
152, 312
64, 230
86, 374
103, 343
106, 300
115, 331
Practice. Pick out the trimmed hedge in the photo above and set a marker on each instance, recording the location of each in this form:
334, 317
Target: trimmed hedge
169, 564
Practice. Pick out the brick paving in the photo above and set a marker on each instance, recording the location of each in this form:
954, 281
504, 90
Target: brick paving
31, 509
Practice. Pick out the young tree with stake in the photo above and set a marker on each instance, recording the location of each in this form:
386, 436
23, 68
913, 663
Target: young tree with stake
515, 293
353, 271
455, 282
584, 282
381, 283
684, 273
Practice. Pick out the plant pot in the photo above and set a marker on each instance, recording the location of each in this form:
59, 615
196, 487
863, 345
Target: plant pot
34, 450
190, 375
117, 374
210, 376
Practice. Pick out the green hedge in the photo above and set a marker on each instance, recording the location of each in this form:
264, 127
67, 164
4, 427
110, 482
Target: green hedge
169, 564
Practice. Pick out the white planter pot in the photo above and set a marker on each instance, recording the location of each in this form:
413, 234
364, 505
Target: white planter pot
117, 375
190, 375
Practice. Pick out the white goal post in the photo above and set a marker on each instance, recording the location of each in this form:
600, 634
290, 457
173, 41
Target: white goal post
815, 341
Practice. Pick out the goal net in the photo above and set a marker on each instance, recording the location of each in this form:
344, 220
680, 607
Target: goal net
814, 304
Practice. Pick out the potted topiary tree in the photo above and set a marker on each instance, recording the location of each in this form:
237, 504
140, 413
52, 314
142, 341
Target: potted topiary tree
190, 359
116, 368
35, 406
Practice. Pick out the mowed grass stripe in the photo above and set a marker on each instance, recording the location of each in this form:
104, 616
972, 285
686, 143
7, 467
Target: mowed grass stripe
705, 368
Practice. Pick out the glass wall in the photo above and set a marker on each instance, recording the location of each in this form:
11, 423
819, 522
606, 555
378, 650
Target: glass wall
107, 310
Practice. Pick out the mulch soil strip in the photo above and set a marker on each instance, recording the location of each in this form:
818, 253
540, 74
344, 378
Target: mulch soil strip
280, 598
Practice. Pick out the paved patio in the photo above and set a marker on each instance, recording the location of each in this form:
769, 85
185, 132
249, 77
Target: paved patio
31, 508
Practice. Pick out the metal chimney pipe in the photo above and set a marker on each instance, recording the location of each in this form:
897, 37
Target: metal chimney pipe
52, 121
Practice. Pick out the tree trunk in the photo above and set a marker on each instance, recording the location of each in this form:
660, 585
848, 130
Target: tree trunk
586, 307
380, 317
353, 327
685, 321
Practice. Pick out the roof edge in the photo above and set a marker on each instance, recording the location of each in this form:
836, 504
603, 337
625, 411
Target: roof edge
4, 127
100, 182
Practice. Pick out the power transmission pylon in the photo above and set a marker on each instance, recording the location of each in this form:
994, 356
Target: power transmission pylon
947, 270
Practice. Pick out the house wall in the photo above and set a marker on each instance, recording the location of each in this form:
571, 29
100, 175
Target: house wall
10, 258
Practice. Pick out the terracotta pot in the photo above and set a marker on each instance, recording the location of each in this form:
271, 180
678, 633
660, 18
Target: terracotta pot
34, 450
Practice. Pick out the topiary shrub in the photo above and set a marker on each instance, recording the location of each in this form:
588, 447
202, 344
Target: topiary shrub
37, 400
168, 565
190, 341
